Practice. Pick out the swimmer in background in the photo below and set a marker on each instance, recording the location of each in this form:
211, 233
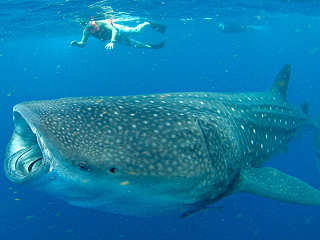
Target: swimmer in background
110, 31
237, 28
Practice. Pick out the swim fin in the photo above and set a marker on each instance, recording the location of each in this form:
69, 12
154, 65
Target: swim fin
161, 28
156, 46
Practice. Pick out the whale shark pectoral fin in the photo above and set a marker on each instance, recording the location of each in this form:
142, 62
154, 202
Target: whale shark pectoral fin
271, 183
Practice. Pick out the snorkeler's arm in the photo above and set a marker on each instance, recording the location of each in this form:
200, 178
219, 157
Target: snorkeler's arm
84, 39
114, 33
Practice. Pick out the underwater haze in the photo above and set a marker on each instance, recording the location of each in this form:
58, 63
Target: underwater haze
210, 46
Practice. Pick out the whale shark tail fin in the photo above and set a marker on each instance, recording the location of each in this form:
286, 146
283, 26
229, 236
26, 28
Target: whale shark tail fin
280, 85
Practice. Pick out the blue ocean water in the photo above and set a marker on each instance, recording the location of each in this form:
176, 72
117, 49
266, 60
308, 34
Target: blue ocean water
37, 62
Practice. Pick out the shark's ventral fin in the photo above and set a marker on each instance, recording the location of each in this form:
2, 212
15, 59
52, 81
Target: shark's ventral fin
271, 183
280, 85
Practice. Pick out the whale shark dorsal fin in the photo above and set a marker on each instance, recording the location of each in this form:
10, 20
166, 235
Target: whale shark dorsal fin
271, 183
280, 85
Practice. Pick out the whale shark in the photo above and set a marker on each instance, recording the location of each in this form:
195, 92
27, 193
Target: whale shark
172, 153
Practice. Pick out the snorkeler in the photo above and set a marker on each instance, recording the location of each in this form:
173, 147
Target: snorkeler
108, 30
232, 27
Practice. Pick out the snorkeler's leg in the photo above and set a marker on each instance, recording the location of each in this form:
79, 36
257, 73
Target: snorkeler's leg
127, 29
139, 27
136, 44
161, 28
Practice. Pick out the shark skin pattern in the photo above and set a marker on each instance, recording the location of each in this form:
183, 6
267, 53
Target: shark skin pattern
158, 154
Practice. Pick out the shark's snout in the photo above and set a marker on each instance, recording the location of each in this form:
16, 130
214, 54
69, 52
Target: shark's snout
24, 158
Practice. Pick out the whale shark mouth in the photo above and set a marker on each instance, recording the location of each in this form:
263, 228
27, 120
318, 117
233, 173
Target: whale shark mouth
24, 158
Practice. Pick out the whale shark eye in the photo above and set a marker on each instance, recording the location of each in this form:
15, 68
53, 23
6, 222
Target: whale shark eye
83, 166
112, 170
